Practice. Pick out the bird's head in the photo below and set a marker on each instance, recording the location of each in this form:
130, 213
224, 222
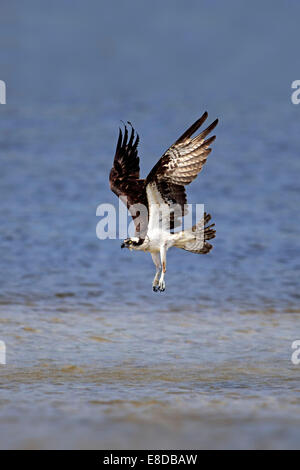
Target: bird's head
132, 243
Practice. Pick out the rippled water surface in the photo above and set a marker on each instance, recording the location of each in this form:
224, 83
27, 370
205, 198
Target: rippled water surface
95, 359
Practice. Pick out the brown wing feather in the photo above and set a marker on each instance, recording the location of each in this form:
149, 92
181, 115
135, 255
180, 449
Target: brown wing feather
124, 176
182, 162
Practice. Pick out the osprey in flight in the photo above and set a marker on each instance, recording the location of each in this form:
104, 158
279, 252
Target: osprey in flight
158, 203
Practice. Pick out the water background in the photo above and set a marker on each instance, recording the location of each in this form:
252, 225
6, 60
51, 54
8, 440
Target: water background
95, 359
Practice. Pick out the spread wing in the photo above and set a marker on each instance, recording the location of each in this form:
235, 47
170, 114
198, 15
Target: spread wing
179, 166
125, 179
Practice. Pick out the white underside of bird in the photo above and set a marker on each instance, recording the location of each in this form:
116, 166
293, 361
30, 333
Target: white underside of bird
159, 239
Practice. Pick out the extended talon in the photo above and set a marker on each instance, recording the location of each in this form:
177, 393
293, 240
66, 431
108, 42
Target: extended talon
162, 286
155, 288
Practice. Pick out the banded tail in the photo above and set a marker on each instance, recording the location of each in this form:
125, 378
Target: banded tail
195, 238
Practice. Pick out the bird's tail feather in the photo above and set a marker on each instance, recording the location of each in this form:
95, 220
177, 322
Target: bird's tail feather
195, 238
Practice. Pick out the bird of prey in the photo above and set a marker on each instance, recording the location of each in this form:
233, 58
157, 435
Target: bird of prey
158, 202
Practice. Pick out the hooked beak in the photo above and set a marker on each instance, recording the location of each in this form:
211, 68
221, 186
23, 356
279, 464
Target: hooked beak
123, 245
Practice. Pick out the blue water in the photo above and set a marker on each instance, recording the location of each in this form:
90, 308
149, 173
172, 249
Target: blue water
89, 345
